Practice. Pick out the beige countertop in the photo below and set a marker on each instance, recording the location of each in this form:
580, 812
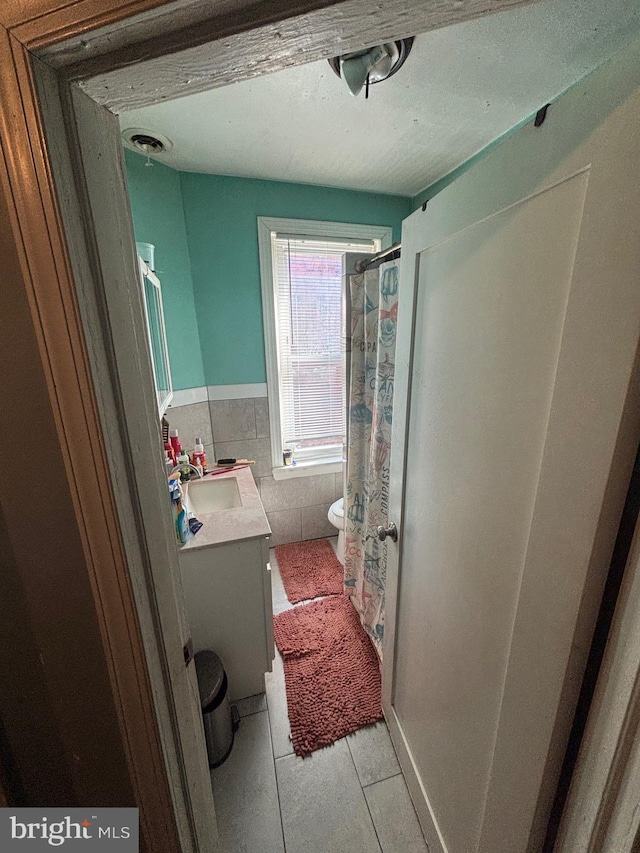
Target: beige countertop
247, 521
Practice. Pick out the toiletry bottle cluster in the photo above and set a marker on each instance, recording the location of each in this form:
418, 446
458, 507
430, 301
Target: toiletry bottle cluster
179, 511
186, 524
177, 456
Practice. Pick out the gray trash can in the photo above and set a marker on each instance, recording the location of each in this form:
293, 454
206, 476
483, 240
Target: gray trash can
220, 720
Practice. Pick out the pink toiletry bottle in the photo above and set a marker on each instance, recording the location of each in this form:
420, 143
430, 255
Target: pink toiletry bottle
175, 442
199, 457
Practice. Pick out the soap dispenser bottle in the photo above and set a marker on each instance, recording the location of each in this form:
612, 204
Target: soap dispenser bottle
183, 462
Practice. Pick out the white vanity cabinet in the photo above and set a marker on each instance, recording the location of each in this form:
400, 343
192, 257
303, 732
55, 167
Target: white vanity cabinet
227, 591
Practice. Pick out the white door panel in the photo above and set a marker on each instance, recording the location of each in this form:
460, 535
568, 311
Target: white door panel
489, 320
517, 333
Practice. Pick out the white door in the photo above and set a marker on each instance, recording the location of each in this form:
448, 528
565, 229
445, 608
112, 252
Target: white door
517, 334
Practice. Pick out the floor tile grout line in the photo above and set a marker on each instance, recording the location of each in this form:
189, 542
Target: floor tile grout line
364, 796
252, 713
399, 773
275, 775
373, 823
292, 755
395, 776
353, 761
378, 781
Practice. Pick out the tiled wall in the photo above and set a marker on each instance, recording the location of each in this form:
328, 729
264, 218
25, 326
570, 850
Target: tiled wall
297, 507
192, 421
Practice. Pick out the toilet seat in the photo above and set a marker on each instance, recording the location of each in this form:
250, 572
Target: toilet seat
336, 517
336, 514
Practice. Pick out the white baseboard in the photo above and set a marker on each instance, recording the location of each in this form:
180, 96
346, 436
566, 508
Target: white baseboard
432, 836
189, 396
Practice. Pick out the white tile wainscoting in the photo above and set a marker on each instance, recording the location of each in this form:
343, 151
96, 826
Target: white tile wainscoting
233, 425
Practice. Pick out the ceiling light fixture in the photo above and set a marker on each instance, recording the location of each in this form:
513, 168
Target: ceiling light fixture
362, 68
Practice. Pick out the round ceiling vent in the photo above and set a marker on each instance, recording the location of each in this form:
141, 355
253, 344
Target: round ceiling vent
145, 141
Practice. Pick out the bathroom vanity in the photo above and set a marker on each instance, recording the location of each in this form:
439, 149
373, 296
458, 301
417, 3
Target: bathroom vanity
226, 578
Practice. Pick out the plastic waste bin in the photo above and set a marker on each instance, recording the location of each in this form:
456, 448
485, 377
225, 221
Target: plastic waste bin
220, 720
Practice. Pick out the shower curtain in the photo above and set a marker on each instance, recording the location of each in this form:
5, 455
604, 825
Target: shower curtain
374, 311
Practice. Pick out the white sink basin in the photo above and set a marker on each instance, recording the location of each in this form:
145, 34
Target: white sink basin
212, 495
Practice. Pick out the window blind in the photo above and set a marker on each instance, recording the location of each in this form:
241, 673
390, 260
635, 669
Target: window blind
307, 275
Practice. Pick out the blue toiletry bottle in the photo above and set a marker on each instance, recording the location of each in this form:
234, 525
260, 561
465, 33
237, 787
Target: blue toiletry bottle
180, 513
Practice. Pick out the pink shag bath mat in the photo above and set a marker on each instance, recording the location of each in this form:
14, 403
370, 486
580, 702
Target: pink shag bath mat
331, 672
309, 569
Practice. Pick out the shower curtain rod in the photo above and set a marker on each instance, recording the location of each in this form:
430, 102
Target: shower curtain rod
361, 266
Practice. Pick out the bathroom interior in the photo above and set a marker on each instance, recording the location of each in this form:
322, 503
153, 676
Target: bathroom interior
297, 145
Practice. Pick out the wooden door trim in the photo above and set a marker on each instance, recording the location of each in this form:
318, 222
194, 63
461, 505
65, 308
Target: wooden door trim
604, 782
46, 22
150, 31
35, 218
156, 56
621, 762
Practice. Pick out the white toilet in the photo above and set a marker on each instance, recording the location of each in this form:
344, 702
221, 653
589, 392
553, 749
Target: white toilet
336, 517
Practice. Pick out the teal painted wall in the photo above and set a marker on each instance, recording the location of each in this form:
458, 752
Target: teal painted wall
158, 218
205, 232
220, 214
443, 182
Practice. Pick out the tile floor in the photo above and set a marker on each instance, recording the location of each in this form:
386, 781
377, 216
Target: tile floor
348, 798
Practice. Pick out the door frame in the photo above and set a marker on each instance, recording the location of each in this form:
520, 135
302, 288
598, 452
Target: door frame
601, 808
50, 51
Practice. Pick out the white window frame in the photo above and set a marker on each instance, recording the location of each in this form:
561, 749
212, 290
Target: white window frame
267, 226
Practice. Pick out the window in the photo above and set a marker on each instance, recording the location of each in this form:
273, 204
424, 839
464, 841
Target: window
302, 269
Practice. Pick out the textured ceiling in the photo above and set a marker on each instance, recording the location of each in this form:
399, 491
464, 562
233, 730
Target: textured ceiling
461, 88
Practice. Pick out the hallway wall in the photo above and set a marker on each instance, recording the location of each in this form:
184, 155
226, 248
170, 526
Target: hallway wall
56, 691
